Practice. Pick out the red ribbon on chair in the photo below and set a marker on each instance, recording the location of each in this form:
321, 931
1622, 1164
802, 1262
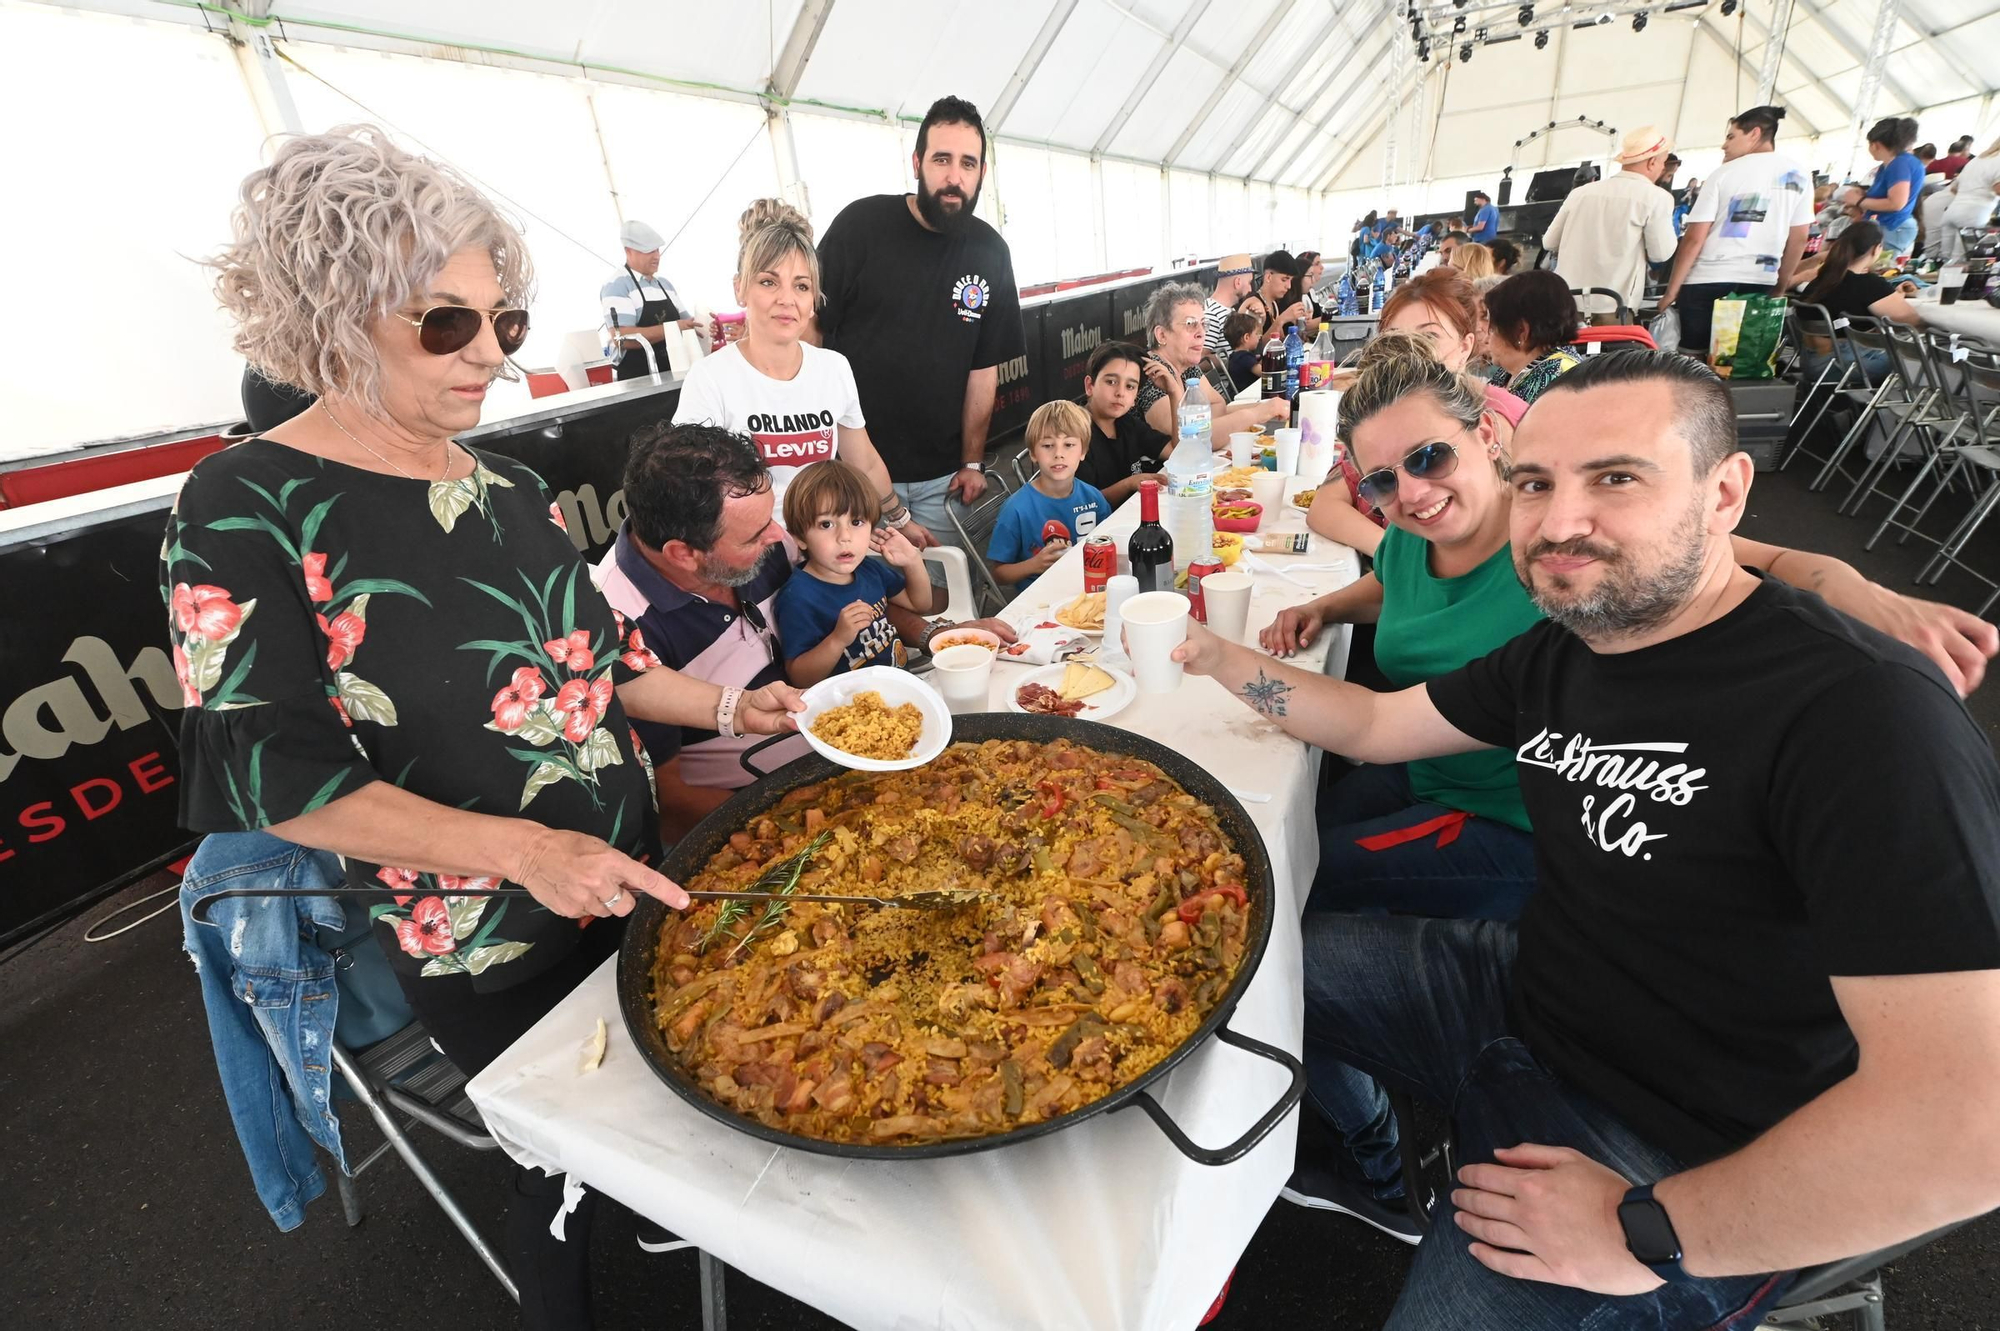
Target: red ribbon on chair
1446, 825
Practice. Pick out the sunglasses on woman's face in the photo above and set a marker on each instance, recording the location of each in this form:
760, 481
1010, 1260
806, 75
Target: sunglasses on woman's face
1426, 462
443, 329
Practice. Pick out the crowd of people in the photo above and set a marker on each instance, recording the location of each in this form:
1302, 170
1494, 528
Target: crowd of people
1707, 1003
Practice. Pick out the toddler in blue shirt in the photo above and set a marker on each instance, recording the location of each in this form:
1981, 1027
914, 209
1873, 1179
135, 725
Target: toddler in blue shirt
833, 614
1055, 510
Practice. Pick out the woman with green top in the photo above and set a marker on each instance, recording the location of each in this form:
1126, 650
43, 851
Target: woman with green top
1449, 836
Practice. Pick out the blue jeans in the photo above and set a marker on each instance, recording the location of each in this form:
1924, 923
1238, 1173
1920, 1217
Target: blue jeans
1422, 1004
931, 503
1876, 363
1486, 872
1900, 238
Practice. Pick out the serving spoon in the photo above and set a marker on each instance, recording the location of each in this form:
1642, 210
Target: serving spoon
930, 899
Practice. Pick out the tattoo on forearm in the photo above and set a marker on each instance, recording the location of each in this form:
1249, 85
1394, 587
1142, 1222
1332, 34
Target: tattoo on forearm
1267, 695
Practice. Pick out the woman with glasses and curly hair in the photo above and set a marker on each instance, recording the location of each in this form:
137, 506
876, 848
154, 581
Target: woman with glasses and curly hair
388, 646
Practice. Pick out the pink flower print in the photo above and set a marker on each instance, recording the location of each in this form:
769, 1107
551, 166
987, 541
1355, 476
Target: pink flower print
452, 885
317, 586
512, 704
343, 636
397, 879
428, 930
555, 516
205, 612
580, 703
190, 695
578, 725
572, 651
637, 655
600, 694
340, 706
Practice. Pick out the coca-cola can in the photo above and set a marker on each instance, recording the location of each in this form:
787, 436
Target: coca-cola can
1202, 567
1100, 562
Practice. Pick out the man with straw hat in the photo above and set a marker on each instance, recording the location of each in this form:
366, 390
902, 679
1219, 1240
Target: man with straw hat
1607, 231
1232, 284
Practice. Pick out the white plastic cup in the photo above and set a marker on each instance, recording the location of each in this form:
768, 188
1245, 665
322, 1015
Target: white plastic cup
1287, 441
1226, 596
1121, 588
1243, 446
1155, 623
964, 675
1268, 489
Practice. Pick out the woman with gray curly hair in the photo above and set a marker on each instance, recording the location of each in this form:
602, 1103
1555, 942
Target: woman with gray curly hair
1177, 326
388, 646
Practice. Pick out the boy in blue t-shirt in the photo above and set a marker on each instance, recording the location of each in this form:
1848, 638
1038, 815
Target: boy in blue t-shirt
1055, 510
833, 613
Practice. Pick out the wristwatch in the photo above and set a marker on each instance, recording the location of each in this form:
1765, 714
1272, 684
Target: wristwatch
1649, 1235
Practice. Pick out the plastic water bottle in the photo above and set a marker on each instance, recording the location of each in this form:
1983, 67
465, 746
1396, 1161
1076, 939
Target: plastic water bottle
1295, 356
1190, 476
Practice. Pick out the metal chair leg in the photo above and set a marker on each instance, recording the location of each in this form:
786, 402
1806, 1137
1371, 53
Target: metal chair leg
1855, 433
714, 1305
1872, 474
384, 1120
1944, 484
1909, 491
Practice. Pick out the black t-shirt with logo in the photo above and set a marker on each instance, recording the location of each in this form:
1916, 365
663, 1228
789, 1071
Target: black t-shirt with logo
1111, 458
1722, 822
915, 311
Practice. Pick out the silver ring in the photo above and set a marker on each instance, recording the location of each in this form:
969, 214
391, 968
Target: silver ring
613, 899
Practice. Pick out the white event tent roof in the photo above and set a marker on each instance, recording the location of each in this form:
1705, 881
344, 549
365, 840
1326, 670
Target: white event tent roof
1128, 133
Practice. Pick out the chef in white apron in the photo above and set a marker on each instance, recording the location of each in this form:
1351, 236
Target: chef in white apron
638, 301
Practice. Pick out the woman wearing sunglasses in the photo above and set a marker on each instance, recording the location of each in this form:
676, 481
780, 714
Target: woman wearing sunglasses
797, 402
387, 645
1449, 836
1442, 306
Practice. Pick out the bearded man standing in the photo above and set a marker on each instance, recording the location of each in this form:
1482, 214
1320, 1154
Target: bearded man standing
920, 297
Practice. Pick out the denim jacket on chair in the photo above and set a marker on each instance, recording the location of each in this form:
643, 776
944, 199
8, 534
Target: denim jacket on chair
268, 986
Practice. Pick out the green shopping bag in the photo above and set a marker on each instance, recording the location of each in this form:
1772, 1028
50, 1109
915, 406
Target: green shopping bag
1744, 334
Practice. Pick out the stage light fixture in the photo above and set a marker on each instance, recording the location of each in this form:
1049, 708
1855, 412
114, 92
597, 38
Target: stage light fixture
1728, 8
1639, 21
1542, 40
1458, 24
1527, 15
1465, 54
1416, 30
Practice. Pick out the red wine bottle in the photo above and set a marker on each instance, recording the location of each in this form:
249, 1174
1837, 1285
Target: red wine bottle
1151, 550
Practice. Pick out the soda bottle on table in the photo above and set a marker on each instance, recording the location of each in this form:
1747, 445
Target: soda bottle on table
1295, 356
1151, 550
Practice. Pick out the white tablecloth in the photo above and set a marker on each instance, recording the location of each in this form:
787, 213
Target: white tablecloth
1103, 1226
1969, 317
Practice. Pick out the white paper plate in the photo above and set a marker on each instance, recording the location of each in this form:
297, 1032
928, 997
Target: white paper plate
1098, 707
896, 687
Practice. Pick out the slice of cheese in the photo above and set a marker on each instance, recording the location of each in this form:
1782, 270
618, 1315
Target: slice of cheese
1081, 681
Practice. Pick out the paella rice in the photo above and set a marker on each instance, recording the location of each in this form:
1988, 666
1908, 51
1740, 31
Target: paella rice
868, 727
1112, 918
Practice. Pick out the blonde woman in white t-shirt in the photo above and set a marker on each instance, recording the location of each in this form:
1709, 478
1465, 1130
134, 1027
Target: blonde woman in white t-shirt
796, 402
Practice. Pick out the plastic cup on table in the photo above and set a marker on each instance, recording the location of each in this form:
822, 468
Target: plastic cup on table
1121, 588
1268, 489
1287, 441
1243, 446
963, 674
1155, 623
1227, 596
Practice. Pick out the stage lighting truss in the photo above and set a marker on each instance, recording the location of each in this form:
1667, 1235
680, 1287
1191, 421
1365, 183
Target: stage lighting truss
1470, 23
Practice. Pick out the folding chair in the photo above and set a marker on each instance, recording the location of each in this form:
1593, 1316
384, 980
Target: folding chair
1803, 321
1931, 407
1978, 381
1853, 1284
1870, 393
974, 525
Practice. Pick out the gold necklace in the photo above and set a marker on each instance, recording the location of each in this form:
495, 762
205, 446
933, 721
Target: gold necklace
389, 462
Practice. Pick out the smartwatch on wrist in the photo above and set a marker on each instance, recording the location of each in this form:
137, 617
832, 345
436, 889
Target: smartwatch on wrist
1649, 1235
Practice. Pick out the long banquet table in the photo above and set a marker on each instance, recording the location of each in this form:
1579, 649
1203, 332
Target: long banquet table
1104, 1225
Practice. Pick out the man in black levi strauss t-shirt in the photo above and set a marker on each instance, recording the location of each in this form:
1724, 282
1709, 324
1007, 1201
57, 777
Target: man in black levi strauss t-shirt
920, 298
1749, 1021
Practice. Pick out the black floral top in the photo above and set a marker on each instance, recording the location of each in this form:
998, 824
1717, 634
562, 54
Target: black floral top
332, 626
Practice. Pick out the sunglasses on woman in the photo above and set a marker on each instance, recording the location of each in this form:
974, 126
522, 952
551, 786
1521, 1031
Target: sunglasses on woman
1426, 462
443, 329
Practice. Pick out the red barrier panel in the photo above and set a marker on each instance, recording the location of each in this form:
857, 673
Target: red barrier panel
60, 480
